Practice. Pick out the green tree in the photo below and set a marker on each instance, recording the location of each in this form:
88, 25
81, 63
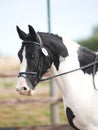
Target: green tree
95, 31
92, 41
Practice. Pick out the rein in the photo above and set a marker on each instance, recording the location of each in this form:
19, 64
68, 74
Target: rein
71, 71
80, 68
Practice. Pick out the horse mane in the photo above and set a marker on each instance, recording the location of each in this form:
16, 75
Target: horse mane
54, 44
52, 35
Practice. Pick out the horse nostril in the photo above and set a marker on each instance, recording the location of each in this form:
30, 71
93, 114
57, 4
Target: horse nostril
17, 89
24, 88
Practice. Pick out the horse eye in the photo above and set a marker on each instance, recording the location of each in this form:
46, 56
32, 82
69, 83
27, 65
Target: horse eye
32, 56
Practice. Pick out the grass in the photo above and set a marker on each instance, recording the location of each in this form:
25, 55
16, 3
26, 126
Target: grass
7, 83
25, 114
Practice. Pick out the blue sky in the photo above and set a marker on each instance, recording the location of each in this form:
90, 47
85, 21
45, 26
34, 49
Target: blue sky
73, 19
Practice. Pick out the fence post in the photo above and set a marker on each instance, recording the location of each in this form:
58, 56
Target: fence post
53, 88
54, 107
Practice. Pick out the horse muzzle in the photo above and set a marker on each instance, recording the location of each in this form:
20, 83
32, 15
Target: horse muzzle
23, 88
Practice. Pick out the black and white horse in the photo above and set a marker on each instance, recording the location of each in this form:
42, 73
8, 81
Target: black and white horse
80, 95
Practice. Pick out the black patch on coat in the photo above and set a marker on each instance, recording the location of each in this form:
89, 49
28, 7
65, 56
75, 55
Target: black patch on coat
85, 57
70, 117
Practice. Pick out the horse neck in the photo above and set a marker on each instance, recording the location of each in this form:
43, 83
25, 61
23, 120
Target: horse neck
66, 65
75, 81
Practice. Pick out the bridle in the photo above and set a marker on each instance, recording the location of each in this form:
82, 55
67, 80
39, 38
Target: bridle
40, 64
36, 74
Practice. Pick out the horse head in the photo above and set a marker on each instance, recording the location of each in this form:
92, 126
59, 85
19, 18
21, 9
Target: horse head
37, 53
34, 61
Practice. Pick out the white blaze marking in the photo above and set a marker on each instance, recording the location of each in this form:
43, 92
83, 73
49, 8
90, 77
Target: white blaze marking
22, 81
23, 65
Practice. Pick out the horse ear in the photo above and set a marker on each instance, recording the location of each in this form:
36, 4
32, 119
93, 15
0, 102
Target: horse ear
21, 34
32, 31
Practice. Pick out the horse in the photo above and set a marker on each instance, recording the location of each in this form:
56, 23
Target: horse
41, 51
